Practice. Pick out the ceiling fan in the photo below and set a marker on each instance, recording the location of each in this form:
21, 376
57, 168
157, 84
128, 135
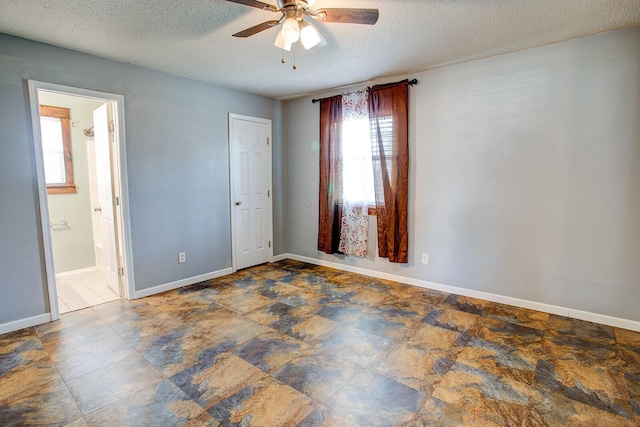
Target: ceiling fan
295, 28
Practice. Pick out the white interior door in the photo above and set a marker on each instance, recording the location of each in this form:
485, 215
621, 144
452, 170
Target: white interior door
251, 189
103, 142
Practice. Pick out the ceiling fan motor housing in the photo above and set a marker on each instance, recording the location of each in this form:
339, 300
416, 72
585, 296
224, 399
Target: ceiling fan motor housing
301, 4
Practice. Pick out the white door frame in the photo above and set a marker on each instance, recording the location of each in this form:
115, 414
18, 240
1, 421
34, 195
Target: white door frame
232, 186
119, 166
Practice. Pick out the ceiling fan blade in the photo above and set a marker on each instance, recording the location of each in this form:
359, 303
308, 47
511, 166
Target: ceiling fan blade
348, 16
256, 29
256, 3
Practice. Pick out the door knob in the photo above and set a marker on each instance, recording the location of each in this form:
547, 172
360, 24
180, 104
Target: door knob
97, 209
238, 203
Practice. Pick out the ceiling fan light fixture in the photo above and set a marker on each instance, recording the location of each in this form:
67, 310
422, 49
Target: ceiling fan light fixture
309, 36
290, 30
281, 43
294, 28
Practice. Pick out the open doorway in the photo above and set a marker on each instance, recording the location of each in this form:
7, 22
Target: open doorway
79, 155
72, 165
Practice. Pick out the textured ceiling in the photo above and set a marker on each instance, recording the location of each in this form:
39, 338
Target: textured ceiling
192, 38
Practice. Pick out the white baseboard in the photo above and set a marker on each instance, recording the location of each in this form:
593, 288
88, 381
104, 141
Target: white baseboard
532, 305
180, 283
604, 319
281, 257
79, 271
24, 323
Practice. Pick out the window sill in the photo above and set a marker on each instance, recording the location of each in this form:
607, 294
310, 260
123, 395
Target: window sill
61, 189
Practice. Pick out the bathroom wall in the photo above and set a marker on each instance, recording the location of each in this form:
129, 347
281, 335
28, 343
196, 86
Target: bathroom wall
73, 245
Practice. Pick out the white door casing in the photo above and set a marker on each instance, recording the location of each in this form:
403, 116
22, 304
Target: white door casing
119, 167
250, 177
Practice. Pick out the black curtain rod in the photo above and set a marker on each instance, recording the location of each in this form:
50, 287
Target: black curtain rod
411, 83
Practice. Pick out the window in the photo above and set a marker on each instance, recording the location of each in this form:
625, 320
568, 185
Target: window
358, 160
385, 124
56, 149
343, 223
357, 169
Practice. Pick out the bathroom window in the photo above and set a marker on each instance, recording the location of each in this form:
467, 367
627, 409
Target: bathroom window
56, 149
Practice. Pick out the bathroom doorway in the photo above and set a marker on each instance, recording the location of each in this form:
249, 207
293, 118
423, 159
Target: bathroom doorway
78, 151
75, 209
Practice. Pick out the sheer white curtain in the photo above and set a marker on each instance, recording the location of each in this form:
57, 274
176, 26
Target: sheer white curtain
357, 174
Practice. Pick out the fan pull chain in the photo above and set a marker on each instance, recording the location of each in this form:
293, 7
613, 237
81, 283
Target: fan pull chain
294, 57
282, 60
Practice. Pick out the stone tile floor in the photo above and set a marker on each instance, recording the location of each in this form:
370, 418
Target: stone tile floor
292, 344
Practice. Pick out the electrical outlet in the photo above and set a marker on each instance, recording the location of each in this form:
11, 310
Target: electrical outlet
425, 258
182, 257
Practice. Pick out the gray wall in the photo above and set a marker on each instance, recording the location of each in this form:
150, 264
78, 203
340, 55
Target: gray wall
177, 154
524, 176
73, 245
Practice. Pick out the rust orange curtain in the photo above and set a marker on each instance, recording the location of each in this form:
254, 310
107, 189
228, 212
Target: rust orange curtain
388, 116
330, 205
